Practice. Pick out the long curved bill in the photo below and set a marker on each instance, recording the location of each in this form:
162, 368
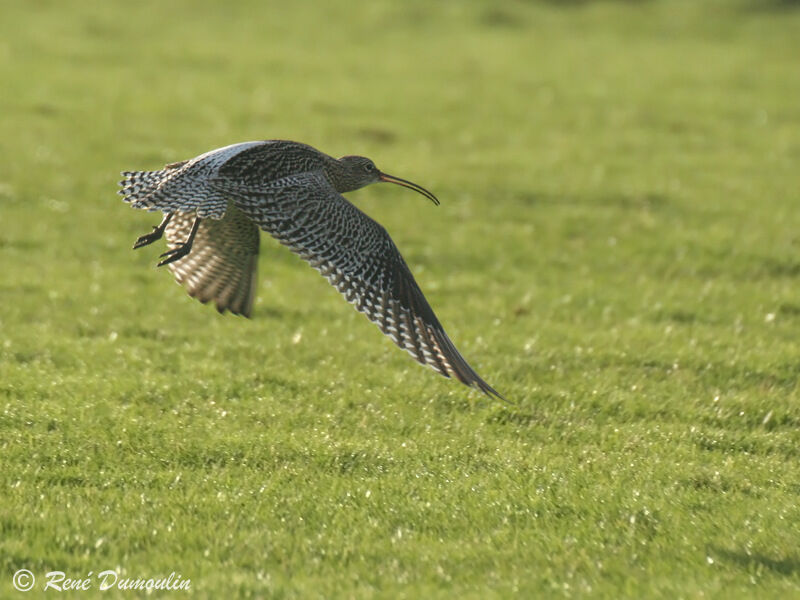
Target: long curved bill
410, 185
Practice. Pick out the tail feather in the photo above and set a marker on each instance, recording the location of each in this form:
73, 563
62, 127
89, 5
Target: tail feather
139, 187
168, 190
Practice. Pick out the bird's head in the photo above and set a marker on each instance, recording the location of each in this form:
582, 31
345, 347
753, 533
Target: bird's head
361, 171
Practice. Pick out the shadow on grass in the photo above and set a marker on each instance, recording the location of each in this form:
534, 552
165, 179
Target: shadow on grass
775, 268
758, 561
20, 244
713, 263
574, 3
609, 201
773, 5
501, 17
378, 135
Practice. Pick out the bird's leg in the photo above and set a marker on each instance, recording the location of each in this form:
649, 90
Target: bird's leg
183, 249
158, 231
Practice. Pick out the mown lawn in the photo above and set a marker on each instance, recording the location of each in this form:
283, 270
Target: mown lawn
617, 251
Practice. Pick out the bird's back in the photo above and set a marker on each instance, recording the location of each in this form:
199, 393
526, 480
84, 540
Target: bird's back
188, 186
271, 160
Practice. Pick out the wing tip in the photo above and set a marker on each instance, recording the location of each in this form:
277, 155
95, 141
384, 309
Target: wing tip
473, 380
457, 366
484, 387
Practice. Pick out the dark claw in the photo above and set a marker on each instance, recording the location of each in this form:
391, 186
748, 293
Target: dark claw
148, 238
175, 254
156, 234
179, 252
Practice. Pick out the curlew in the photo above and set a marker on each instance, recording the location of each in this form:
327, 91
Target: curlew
214, 205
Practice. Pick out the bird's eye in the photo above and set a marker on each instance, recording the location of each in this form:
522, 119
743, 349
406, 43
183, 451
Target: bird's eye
369, 168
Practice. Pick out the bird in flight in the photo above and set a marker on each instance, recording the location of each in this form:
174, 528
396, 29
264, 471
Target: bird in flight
214, 205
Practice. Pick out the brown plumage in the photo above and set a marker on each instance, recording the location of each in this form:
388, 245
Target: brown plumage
223, 262
215, 204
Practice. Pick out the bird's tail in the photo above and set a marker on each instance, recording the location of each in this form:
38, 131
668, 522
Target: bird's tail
176, 187
137, 186
142, 188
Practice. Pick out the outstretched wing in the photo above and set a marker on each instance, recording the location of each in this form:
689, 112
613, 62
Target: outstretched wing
357, 256
222, 264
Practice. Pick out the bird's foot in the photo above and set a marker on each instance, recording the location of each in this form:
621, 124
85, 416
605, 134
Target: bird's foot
154, 235
176, 253
148, 238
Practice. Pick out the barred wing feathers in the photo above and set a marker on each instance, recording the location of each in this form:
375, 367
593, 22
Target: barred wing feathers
357, 256
222, 264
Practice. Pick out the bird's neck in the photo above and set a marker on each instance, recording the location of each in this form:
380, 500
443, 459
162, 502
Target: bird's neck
340, 176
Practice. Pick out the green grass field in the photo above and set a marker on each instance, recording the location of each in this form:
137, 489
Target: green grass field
617, 251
